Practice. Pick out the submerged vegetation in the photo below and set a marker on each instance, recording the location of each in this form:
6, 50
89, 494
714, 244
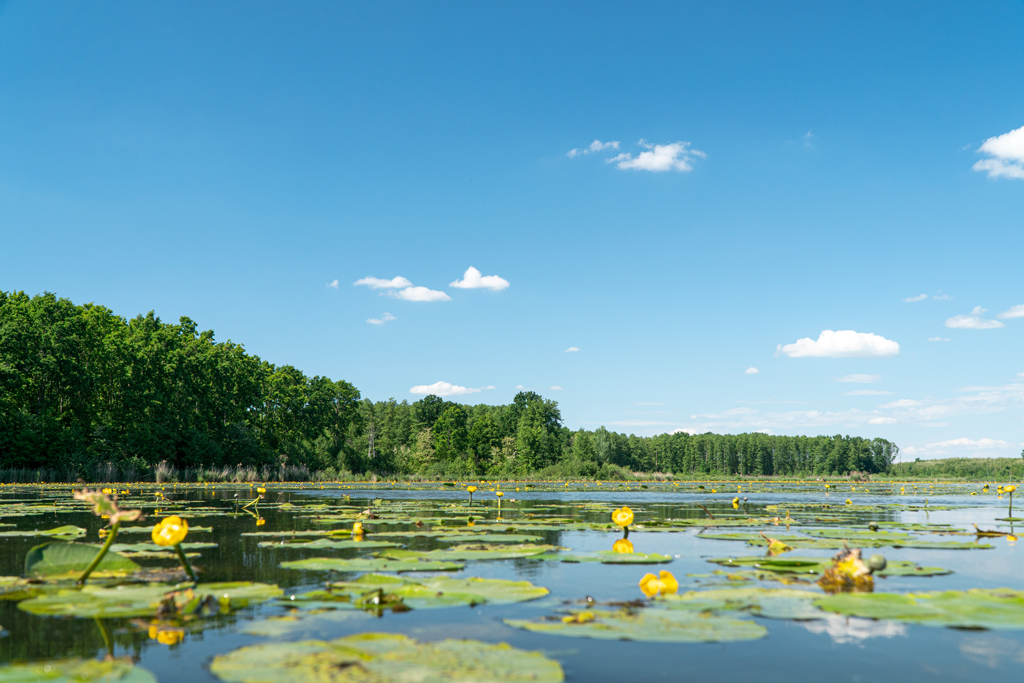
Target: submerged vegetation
88, 394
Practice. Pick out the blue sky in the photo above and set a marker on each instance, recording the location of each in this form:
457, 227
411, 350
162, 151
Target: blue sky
778, 170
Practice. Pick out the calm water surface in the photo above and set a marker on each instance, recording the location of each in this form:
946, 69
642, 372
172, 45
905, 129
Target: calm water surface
834, 649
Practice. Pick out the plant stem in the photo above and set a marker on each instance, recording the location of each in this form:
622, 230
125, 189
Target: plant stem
184, 562
99, 556
625, 532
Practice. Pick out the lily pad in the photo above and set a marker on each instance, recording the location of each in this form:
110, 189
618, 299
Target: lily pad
66, 532
606, 557
991, 608
380, 657
153, 547
145, 600
57, 558
76, 670
773, 603
817, 565
322, 543
489, 538
646, 624
371, 564
474, 551
441, 591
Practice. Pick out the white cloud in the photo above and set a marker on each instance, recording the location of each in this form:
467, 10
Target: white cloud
419, 294
860, 379
572, 349
751, 371
919, 297
472, 279
387, 317
555, 387
380, 283
595, 146
867, 392
882, 421
765, 431
853, 630
984, 444
658, 158
974, 321
1020, 374
960, 447
1006, 155
938, 339
443, 389
841, 344
684, 430
333, 284
520, 386
1013, 312
489, 387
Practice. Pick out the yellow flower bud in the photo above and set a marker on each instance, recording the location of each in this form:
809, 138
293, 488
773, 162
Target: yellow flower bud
623, 516
170, 531
623, 545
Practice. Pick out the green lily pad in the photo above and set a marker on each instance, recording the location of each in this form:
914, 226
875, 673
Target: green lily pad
646, 624
321, 543
380, 657
67, 532
489, 538
441, 591
57, 558
153, 547
773, 603
76, 670
149, 529
145, 600
818, 565
606, 557
371, 564
300, 622
991, 608
474, 551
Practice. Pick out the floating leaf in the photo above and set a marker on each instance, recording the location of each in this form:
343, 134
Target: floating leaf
606, 557
992, 608
371, 564
380, 657
145, 600
151, 547
66, 532
646, 624
473, 551
489, 538
441, 591
76, 671
774, 603
321, 543
57, 558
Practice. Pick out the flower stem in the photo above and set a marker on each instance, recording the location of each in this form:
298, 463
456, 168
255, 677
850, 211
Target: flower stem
625, 532
184, 562
99, 556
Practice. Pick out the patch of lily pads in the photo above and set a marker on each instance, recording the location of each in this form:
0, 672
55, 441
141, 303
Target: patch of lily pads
787, 564
438, 591
380, 657
76, 670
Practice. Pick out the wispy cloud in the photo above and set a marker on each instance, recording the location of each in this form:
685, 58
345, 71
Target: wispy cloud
919, 297
860, 379
676, 156
938, 339
1013, 312
555, 387
751, 371
942, 297
595, 146
1005, 155
443, 389
419, 294
380, 283
841, 344
974, 321
333, 284
572, 349
386, 318
962, 446
472, 279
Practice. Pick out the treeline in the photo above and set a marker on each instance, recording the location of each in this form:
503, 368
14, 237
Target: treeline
83, 391
996, 470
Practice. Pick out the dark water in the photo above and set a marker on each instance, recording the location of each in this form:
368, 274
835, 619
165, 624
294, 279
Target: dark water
833, 649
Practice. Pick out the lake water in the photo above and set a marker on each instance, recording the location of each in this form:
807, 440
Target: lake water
835, 647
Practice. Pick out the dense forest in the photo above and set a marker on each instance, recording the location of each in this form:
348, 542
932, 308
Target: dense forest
85, 393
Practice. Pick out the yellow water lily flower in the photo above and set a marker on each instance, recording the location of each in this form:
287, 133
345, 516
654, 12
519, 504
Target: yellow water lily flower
499, 494
260, 521
357, 528
261, 490
663, 584
849, 502
735, 503
623, 545
623, 516
1009, 489
170, 531
471, 489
